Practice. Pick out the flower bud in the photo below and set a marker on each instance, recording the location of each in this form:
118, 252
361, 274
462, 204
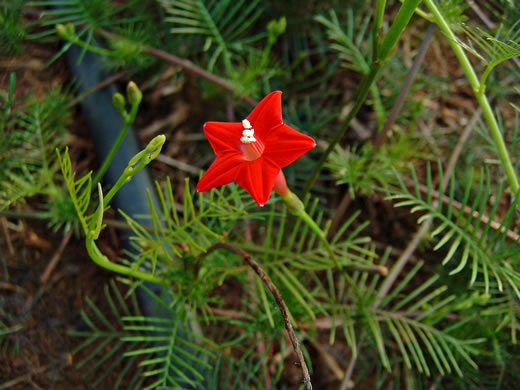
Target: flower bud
155, 145
66, 31
118, 100
275, 28
133, 93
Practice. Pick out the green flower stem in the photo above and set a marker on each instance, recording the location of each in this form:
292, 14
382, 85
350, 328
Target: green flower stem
67, 32
400, 22
138, 162
479, 90
320, 233
485, 76
129, 119
275, 28
103, 261
296, 207
378, 22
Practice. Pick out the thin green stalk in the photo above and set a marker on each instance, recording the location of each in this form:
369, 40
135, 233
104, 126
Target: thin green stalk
113, 150
400, 22
378, 22
297, 208
103, 261
479, 90
320, 233
134, 97
135, 164
139, 161
67, 32
489, 116
485, 76
8, 102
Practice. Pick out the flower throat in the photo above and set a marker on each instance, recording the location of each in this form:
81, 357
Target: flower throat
251, 147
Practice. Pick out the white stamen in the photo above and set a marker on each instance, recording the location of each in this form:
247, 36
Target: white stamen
247, 139
248, 134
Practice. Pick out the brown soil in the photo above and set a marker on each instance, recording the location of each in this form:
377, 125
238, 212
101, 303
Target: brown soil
39, 356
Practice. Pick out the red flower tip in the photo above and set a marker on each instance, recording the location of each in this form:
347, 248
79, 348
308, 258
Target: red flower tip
252, 152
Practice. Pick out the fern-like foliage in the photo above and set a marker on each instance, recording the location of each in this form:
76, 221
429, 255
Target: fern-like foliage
147, 352
453, 12
415, 321
92, 14
144, 352
491, 49
351, 42
365, 170
181, 233
410, 323
499, 372
468, 239
504, 306
79, 190
131, 20
222, 24
31, 131
292, 254
244, 373
12, 30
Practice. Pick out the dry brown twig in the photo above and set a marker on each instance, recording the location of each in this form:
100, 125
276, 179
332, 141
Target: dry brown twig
5, 229
55, 258
279, 301
104, 83
188, 66
24, 378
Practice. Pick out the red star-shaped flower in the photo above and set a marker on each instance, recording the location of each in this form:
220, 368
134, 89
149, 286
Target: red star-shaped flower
253, 152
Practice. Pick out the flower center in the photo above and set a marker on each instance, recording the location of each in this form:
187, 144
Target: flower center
248, 134
251, 147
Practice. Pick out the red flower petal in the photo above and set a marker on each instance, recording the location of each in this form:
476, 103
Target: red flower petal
281, 146
267, 115
286, 145
257, 178
224, 170
224, 137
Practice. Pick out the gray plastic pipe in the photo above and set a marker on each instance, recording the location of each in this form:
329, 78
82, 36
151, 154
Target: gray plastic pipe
105, 123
